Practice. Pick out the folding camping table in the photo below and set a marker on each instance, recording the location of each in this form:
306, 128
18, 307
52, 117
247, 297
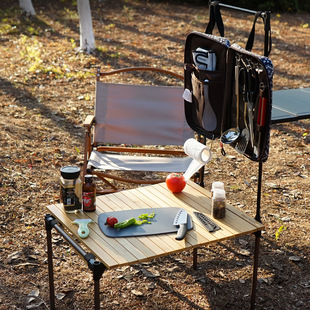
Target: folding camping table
290, 105
107, 253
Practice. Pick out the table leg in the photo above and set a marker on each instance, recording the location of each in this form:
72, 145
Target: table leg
258, 235
98, 269
49, 223
95, 266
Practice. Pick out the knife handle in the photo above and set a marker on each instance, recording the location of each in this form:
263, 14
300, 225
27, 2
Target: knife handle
181, 232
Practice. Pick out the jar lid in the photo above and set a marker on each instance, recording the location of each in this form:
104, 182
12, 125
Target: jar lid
219, 193
217, 184
70, 172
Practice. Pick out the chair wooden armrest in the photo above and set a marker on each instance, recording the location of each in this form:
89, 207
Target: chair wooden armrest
87, 124
89, 121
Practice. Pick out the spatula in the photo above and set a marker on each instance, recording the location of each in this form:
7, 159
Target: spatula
244, 137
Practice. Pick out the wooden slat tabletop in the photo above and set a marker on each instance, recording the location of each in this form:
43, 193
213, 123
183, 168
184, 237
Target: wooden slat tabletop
116, 252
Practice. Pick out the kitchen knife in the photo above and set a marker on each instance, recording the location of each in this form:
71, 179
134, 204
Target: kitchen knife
181, 220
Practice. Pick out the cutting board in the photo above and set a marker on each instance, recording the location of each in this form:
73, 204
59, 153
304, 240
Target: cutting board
162, 222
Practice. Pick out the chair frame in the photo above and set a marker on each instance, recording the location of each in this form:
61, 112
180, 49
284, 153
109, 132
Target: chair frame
89, 123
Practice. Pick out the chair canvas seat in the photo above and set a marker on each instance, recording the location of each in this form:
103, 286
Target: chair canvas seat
140, 115
106, 161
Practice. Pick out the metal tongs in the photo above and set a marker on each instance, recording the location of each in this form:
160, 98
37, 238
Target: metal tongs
248, 87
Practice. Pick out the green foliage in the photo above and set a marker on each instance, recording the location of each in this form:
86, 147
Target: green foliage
71, 14
73, 44
13, 22
33, 53
280, 229
235, 187
278, 232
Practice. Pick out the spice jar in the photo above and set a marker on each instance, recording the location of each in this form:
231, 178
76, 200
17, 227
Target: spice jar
89, 194
71, 189
218, 210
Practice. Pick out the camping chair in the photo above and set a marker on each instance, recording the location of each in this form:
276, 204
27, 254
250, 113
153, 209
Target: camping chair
131, 126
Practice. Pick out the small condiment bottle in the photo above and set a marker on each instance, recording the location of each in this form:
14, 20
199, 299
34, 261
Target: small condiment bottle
89, 194
218, 209
71, 189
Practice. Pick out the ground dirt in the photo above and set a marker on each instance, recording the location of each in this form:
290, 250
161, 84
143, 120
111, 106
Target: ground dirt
46, 91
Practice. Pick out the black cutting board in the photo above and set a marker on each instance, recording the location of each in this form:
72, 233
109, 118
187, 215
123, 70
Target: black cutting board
162, 222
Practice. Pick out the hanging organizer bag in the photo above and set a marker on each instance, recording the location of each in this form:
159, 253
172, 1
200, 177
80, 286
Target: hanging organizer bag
228, 93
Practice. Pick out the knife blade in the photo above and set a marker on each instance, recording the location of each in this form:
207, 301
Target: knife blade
181, 220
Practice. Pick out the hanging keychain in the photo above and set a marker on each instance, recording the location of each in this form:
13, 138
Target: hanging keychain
222, 149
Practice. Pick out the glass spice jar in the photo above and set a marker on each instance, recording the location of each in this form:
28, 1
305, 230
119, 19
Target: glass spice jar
218, 209
89, 194
71, 189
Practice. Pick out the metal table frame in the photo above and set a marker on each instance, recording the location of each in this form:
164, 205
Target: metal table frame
94, 265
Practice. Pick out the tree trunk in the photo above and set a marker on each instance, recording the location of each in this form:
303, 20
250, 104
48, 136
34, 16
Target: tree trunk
87, 39
27, 7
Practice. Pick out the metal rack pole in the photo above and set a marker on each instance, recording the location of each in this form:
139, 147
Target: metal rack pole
231, 7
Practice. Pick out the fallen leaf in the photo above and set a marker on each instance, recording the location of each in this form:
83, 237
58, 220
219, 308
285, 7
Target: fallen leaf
61, 296
149, 274
34, 293
295, 258
34, 306
137, 293
245, 252
13, 256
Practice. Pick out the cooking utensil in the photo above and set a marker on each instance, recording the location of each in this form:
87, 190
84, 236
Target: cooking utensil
206, 222
181, 220
83, 230
248, 87
243, 140
261, 115
231, 135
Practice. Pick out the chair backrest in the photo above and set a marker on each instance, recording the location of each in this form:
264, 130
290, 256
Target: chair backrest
140, 114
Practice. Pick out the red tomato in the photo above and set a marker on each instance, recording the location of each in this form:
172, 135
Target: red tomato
175, 182
111, 220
